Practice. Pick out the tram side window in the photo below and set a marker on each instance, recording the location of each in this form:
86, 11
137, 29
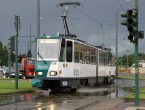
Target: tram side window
87, 54
69, 51
101, 58
76, 52
93, 55
105, 58
110, 59
82, 53
113, 60
62, 51
97, 60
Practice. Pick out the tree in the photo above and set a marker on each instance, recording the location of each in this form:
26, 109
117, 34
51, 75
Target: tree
131, 59
1, 45
3, 55
122, 61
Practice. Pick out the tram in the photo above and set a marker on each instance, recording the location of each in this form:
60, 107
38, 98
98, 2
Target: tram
68, 63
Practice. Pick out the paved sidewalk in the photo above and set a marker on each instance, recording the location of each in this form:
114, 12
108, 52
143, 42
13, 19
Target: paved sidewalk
135, 108
116, 104
128, 106
106, 104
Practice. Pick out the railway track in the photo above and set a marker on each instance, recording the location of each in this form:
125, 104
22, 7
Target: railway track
89, 105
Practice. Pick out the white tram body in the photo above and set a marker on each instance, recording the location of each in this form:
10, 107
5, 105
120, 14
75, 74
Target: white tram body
67, 63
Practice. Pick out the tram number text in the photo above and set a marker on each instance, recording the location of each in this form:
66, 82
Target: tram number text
64, 83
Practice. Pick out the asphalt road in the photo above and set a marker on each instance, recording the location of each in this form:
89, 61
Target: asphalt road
90, 99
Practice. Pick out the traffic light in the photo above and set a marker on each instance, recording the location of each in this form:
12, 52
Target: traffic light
12, 43
132, 24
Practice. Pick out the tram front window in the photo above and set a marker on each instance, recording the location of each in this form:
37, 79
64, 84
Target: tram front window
48, 49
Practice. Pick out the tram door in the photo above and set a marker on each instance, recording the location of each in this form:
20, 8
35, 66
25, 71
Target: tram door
69, 57
66, 55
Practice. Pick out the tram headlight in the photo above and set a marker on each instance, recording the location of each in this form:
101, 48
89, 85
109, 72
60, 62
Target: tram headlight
20, 74
39, 73
53, 73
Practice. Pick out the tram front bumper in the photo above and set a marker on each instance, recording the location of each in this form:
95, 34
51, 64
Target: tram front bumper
37, 83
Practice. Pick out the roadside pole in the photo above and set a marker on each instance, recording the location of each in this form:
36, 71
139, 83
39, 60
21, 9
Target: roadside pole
131, 21
136, 63
17, 26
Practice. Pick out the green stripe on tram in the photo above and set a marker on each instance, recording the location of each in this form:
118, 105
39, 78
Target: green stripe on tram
51, 37
43, 67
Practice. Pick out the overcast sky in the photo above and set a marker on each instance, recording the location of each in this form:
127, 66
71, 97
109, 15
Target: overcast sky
94, 21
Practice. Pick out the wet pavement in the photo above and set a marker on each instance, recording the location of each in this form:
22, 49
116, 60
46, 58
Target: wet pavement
108, 97
14, 98
68, 102
57, 103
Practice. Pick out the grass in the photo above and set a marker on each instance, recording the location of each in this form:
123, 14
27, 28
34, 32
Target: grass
141, 96
9, 87
132, 96
142, 90
7, 79
130, 77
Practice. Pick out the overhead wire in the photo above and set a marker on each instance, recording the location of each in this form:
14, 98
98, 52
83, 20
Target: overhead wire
120, 4
87, 15
92, 19
98, 22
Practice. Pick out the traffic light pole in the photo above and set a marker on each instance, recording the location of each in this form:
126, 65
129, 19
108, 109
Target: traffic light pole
117, 42
136, 63
16, 86
17, 26
131, 22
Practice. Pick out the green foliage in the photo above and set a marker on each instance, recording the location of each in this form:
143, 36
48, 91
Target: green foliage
122, 61
1, 45
4, 55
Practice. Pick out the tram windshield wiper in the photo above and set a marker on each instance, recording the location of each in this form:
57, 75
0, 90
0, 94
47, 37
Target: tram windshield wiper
41, 56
